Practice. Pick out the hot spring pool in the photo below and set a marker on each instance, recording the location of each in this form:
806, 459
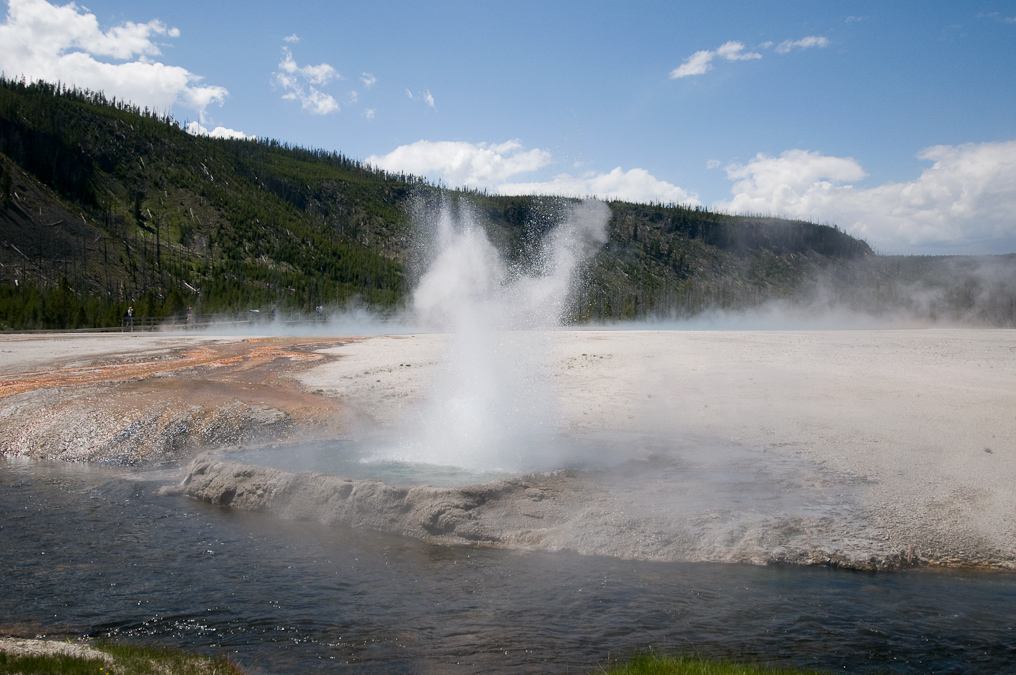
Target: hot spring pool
381, 458
357, 460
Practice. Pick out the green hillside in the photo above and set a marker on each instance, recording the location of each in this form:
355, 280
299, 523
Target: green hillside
105, 205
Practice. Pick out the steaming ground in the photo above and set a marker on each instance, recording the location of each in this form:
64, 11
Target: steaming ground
866, 448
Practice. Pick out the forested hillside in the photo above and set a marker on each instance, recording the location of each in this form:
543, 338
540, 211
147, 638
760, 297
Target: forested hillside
105, 205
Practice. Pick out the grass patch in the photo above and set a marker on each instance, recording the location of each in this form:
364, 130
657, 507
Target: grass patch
655, 664
50, 663
124, 660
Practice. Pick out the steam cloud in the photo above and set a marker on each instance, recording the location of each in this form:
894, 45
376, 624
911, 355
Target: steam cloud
491, 408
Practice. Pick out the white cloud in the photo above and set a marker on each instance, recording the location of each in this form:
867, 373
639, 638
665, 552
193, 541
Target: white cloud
491, 166
965, 201
292, 38
41, 41
461, 164
803, 43
320, 74
368, 80
734, 51
793, 169
696, 64
301, 84
196, 129
369, 113
426, 97
999, 18
634, 185
314, 101
701, 62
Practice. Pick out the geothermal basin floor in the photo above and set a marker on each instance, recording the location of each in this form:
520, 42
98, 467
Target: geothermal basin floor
861, 448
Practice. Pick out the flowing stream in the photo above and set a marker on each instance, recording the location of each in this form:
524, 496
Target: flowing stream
94, 551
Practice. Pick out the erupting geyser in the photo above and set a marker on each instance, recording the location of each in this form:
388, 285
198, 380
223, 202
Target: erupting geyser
491, 408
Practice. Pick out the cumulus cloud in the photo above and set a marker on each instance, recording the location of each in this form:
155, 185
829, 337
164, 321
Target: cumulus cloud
634, 185
41, 41
320, 74
368, 80
196, 129
301, 84
803, 43
791, 170
964, 202
492, 166
701, 62
463, 164
292, 38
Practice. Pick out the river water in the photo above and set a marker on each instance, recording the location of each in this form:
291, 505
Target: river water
94, 551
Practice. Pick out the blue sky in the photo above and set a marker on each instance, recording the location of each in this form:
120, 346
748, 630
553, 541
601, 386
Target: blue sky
895, 121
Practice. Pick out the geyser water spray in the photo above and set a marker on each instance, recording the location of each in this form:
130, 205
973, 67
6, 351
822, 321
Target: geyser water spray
491, 407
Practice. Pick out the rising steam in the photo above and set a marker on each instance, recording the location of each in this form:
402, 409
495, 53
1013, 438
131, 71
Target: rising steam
491, 407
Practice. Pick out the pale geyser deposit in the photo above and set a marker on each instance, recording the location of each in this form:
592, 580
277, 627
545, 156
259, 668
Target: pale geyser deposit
864, 448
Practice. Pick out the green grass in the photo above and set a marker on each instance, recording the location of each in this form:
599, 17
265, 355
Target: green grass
655, 664
53, 663
136, 660
126, 660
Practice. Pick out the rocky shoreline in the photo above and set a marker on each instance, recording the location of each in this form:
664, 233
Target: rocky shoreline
559, 510
35, 647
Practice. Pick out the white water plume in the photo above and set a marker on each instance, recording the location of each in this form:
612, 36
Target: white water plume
492, 408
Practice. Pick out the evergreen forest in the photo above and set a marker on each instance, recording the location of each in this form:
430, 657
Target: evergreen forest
104, 205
